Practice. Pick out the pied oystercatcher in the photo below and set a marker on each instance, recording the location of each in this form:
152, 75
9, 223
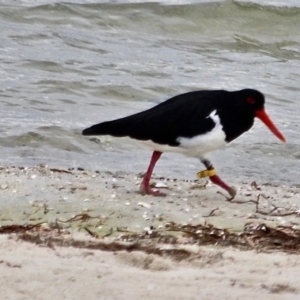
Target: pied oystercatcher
193, 124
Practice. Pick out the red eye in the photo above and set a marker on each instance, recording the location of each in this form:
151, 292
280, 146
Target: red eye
250, 100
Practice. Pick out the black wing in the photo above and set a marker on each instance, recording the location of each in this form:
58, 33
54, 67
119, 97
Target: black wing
185, 115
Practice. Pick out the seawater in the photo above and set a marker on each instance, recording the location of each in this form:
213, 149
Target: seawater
66, 66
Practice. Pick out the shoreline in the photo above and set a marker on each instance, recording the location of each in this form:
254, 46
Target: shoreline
48, 193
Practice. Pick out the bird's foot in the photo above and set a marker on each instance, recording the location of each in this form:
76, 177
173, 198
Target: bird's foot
232, 192
145, 189
212, 174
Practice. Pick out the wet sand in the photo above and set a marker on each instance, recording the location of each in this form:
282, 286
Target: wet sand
96, 236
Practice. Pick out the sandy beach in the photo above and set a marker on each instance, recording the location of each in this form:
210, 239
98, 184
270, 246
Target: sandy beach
72, 234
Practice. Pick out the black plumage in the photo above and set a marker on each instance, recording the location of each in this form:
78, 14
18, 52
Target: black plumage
186, 115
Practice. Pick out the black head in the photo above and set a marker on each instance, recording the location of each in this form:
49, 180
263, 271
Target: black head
239, 111
252, 100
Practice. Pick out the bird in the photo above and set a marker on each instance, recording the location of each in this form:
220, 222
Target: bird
193, 124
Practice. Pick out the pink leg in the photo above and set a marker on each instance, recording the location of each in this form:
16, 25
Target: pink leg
145, 185
218, 181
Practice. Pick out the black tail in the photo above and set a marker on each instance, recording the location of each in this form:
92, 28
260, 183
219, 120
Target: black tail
98, 129
118, 128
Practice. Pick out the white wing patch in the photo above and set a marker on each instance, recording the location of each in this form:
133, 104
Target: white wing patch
214, 116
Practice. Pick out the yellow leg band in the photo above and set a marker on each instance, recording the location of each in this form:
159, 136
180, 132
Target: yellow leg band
206, 173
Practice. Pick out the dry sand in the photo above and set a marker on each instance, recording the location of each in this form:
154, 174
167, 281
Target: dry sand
98, 238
